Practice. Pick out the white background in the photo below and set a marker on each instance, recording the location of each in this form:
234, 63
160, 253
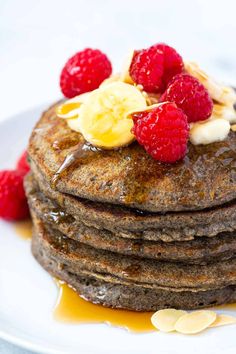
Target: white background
37, 37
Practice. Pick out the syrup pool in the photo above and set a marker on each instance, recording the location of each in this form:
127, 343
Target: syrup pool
72, 308
23, 228
228, 307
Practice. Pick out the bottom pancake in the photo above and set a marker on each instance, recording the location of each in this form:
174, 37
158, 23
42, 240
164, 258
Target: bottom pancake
132, 296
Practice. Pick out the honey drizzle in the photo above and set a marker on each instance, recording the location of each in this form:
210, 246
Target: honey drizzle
23, 228
71, 308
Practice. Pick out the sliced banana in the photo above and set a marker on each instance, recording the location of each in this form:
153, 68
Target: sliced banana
104, 117
226, 112
209, 131
218, 92
111, 79
74, 124
70, 108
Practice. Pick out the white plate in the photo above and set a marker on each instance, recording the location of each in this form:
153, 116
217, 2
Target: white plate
28, 294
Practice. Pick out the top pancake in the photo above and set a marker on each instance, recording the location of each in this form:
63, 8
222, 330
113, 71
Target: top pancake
129, 176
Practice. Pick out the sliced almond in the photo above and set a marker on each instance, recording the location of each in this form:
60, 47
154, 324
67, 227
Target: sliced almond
125, 76
222, 320
233, 127
195, 322
165, 320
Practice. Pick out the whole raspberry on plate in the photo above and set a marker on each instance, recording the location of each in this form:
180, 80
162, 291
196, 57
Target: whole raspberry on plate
13, 202
22, 164
155, 66
190, 95
163, 131
84, 72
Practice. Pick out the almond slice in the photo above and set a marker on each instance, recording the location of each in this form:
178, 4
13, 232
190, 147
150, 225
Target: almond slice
125, 76
195, 322
233, 127
165, 320
222, 320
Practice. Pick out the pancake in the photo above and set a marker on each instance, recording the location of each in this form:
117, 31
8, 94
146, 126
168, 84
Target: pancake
127, 231
73, 262
130, 223
117, 268
199, 251
129, 176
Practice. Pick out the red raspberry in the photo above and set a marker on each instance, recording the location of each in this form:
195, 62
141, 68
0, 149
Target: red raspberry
22, 164
84, 72
190, 95
173, 62
163, 131
147, 68
13, 202
155, 66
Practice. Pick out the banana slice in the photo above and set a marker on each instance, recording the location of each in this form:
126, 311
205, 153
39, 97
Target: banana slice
209, 131
69, 110
111, 79
74, 124
104, 117
218, 92
226, 112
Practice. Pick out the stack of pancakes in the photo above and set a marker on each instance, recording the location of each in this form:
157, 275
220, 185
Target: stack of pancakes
129, 232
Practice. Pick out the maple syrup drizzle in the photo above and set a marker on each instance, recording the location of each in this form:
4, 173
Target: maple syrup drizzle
23, 228
71, 308
80, 152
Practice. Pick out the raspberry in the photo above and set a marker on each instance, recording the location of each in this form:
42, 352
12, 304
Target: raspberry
13, 202
173, 62
84, 72
190, 95
155, 66
163, 131
22, 164
147, 68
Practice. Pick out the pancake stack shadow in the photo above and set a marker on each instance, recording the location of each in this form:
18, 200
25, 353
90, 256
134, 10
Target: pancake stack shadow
174, 248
